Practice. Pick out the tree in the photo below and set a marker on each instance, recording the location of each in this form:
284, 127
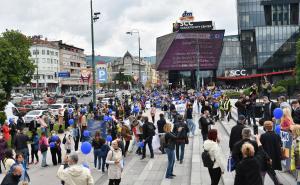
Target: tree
16, 67
298, 62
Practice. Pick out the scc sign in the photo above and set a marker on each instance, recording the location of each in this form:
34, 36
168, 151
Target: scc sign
238, 72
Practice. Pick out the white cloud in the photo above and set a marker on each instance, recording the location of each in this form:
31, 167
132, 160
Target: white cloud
69, 20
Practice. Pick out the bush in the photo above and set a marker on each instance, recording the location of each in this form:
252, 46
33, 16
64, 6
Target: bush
232, 94
278, 90
286, 83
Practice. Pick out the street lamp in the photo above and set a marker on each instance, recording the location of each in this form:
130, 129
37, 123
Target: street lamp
139, 42
94, 18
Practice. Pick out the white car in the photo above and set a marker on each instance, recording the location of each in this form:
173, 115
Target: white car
55, 108
33, 115
39, 105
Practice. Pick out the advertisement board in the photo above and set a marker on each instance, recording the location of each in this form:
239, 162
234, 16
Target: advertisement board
85, 74
102, 75
195, 26
182, 54
64, 74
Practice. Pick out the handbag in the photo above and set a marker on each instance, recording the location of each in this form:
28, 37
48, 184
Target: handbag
230, 164
186, 140
285, 153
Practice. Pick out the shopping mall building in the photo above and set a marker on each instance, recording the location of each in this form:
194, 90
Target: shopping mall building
264, 47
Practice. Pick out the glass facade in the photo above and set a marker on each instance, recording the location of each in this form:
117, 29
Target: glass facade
231, 57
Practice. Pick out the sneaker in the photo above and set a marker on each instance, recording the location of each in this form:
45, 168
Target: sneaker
173, 175
180, 162
143, 158
170, 177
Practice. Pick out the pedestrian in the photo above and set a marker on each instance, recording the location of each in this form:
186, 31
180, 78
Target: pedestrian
236, 131
43, 124
20, 161
204, 122
76, 135
20, 143
103, 154
227, 108
13, 178
43, 147
271, 144
6, 131
20, 123
3, 148
215, 152
250, 110
160, 127
189, 119
72, 173
8, 160
12, 131
34, 147
182, 137
296, 111
115, 161
286, 120
68, 141
83, 123
97, 147
55, 149
153, 112
148, 133
236, 151
241, 106
51, 122
269, 107
296, 143
60, 120
170, 141
248, 169
126, 135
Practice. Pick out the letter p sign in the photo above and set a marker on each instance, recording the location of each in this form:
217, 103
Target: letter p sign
102, 75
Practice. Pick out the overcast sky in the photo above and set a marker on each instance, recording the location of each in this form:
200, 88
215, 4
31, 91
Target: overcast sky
69, 20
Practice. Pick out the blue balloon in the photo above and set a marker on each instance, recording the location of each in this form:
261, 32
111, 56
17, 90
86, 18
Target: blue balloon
106, 118
108, 138
71, 121
55, 138
52, 144
216, 105
278, 113
86, 133
141, 144
110, 118
110, 111
277, 129
83, 111
86, 148
70, 111
11, 120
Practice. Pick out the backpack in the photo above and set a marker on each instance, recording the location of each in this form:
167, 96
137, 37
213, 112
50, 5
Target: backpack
182, 134
207, 162
64, 140
151, 129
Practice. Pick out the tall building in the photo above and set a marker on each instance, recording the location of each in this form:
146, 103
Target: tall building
72, 61
45, 55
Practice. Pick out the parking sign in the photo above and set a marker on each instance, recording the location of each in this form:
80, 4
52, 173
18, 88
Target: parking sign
102, 75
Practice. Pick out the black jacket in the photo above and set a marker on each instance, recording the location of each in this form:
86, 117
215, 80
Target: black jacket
170, 141
268, 111
236, 151
160, 125
248, 172
235, 135
20, 141
146, 130
9, 179
204, 123
185, 131
296, 115
241, 107
271, 144
189, 113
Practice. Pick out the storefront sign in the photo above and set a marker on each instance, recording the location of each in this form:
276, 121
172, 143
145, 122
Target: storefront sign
187, 16
64, 74
237, 72
86, 74
194, 26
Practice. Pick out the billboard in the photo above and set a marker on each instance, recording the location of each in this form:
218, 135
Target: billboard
64, 74
102, 75
86, 74
182, 53
194, 26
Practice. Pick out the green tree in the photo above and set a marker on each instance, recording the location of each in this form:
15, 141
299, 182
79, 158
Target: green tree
16, 67
298, 63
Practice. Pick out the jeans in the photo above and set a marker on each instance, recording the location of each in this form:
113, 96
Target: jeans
97, 158
55, 152
180, 146
44, 159
171, 161
191, 126
148, 142
215, 175
204, 136
34, 152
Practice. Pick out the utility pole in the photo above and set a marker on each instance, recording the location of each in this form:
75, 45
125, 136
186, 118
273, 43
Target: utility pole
94, 18
198, 65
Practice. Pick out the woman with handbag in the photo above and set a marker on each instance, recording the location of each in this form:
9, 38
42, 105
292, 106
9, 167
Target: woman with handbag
115, 161
43, 146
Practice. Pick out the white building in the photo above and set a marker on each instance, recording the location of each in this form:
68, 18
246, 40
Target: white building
45, 55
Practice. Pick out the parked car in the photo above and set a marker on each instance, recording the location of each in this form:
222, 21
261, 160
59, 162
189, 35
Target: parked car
33, 115
70, 99
39, 105
55, 108
50, 100
23, 109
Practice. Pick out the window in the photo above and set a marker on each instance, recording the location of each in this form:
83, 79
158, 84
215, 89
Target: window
48, 52
43, 52
56, 53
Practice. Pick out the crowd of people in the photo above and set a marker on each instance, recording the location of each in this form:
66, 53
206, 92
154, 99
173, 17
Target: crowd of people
126, 125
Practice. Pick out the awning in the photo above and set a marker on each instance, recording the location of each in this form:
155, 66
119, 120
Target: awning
255, 75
